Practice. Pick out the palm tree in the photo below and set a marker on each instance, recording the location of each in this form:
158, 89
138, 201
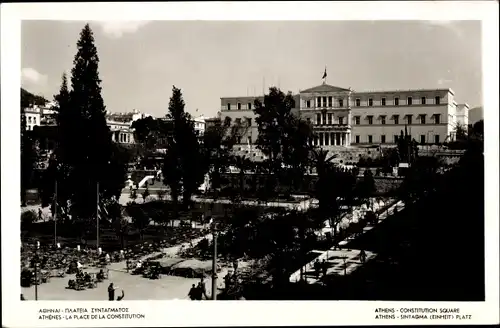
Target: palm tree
326, 190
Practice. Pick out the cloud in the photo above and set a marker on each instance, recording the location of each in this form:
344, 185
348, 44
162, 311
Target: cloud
116, 29
444, 81
33, 77
446, 24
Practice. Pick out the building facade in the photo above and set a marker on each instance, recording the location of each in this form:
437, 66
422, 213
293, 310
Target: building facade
39, 115
342, 117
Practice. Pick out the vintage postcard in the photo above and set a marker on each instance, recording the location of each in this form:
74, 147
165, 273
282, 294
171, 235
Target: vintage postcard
297, 163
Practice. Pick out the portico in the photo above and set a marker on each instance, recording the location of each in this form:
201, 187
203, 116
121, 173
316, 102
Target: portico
327, 109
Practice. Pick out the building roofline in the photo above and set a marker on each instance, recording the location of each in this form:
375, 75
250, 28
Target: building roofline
404, 90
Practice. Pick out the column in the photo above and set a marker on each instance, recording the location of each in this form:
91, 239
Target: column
334, 135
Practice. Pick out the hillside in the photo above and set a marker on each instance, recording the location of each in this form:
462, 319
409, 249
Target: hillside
27, 99
476, 114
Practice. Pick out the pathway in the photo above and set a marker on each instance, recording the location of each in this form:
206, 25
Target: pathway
334, 257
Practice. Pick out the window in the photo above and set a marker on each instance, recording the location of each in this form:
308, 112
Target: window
239, 106
370, 139
318, 100
239, 139
422, 139
330, 118
422, 119
396, 101
409, 101
437, 119
370, 102
308, 104
436, 139
318, 118
395, 138
249, 106
330, 101
324, 118
249, 140
357, 120
358, 102
357, 139
341, 120
29, 119
341, 103
228, 106
370, 120
438, 100
249, 121
382, 139
382, 119
383, 101
396, 119
321, 139
327, 139
409, 119
34, 120
422, 101
324, 102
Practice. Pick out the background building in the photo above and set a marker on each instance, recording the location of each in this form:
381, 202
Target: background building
342, 117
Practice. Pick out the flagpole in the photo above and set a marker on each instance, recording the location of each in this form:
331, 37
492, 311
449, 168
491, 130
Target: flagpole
97, 217
55, 215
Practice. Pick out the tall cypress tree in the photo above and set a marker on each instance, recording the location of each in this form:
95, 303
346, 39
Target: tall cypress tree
84, 156
182, 167
92, 161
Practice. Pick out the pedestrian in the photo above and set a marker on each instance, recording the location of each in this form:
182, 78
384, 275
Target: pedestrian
203, 288
119, 298
39, 214
192, 293
316, 268
111, 292
362, 256
324, 267
235, 264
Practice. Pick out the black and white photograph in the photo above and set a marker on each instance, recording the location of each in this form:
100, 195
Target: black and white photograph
245, 160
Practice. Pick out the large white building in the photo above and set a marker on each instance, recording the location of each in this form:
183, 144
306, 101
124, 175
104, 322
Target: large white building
342, 117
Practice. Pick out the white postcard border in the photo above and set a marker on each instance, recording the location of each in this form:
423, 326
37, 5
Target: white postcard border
182, 313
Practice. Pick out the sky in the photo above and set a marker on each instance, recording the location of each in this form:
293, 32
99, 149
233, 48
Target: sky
140, 61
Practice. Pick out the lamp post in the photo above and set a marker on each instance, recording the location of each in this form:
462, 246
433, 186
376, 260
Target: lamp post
36, 260
213, 226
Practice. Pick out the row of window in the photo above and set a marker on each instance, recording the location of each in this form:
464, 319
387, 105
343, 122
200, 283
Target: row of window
369, 139
396, 101
31, 121
328, 102
409, 119
329, 119
238, 106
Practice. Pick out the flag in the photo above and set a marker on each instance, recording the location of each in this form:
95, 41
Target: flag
324, 74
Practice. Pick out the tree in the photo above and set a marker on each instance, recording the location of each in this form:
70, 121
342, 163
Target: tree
407, 148
182, 171
218, 142
140, 218
460, 132
273, 118
297, 150
366, 187
85, 156
28, 218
